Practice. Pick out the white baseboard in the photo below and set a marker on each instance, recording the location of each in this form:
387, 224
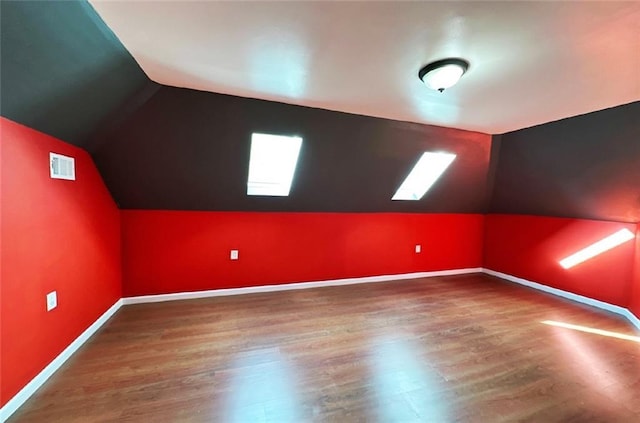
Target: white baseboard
633, 319
35, 383
568, 295
289, 286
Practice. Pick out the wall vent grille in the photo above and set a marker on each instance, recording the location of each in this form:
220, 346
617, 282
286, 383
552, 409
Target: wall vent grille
62, 167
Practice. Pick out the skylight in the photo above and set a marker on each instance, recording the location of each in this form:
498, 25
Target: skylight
423, 175
272, 164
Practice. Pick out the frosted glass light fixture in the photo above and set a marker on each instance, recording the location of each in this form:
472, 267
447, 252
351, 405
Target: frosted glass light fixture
272, 164
443, 74
423, 175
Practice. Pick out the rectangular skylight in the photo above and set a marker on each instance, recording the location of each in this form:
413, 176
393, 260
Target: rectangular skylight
272, 164
423, 175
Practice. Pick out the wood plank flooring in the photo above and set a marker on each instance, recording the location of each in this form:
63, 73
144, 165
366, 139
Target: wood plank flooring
451, 349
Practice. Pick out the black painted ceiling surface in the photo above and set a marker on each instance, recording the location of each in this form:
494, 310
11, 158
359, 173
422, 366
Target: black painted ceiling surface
189, 150
64, 73
587, 167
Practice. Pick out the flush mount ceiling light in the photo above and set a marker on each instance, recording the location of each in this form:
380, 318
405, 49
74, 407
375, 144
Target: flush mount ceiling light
443, 74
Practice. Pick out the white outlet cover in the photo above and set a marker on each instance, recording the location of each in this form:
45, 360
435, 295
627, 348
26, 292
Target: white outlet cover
52, 300
234, 255
418, 248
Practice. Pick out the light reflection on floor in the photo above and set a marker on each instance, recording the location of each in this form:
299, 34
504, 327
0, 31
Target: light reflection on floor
263, 389
401, 385
597, 371
406, 389
592, 330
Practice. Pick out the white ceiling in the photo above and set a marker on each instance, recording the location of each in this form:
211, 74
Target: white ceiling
531, 62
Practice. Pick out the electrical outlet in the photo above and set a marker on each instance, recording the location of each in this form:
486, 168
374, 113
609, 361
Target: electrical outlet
52, 300
418, 248
234, 255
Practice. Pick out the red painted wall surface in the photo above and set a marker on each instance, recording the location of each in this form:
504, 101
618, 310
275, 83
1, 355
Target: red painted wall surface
56, 235
530, 247
177, 251
635, 291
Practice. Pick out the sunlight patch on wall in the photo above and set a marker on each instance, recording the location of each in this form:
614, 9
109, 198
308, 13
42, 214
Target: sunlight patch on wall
597, 248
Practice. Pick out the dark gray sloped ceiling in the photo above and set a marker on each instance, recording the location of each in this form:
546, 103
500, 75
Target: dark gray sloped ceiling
586, 167
189, 150
63, 72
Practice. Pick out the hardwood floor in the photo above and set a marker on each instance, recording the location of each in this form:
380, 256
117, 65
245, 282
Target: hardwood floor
466, 348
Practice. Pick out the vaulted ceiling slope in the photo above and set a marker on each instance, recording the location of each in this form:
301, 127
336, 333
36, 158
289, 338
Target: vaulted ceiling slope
63, 71
158, 147
189, 150
587, 166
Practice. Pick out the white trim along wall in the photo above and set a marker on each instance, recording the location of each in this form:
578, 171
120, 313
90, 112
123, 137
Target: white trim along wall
35, 383
297, 285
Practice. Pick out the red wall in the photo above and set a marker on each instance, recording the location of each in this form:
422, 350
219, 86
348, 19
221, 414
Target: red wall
56, 235
530, 247
177, 251
635, 291
66, 236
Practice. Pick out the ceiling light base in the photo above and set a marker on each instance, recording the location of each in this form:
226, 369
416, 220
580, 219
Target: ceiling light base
443, 74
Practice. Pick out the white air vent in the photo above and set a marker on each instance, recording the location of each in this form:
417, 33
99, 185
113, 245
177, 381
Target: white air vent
62, 167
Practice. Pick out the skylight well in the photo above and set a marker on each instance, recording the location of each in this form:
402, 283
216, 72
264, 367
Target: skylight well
423, 175
272, 164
